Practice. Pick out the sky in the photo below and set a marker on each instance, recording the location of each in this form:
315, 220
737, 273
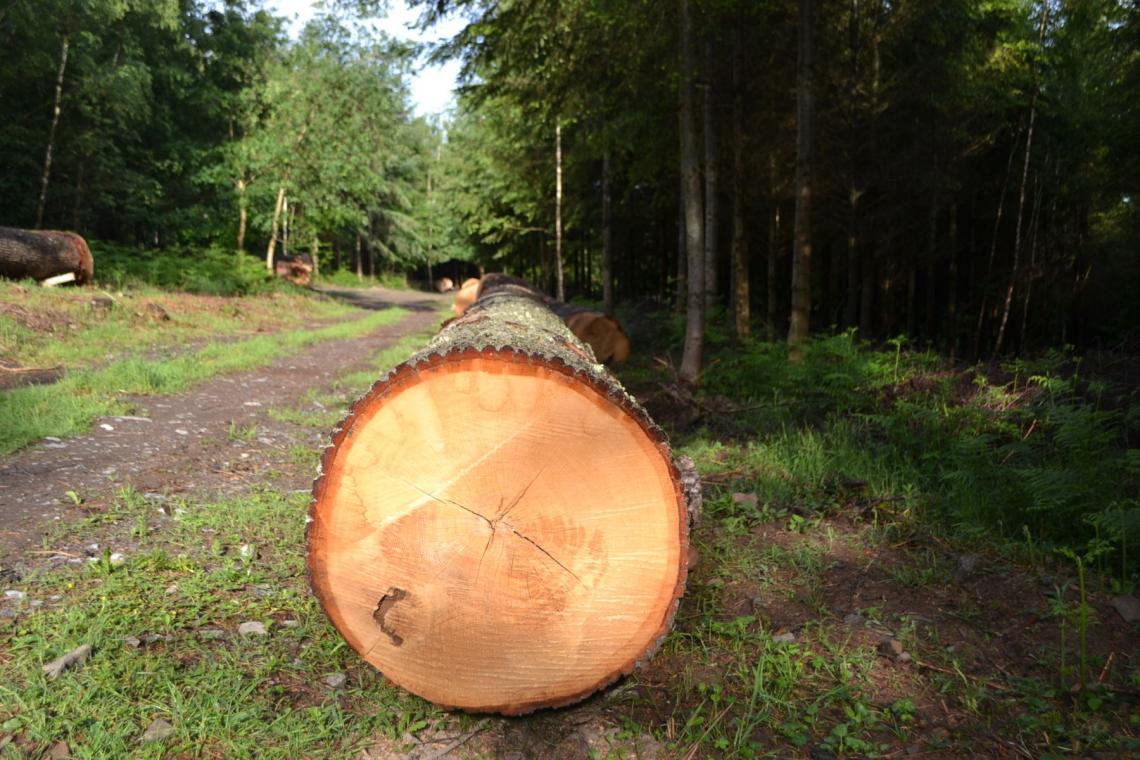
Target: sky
431, 86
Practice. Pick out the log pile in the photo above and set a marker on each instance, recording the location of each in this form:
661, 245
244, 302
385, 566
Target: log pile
50, 256
498, 526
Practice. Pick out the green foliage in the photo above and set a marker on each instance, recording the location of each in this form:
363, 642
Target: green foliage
1036, 457
211, 271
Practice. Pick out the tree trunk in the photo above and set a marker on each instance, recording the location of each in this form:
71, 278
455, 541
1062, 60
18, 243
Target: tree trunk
740, 291
315, 252
682, 258
273, 229
952, 284
1013, 273
359, 261
243, 214
40, 254
691, 202
711, 220
559, 287
801, 256
56, 108
607, 237
520, 558
932, 257
772, 313
982, 304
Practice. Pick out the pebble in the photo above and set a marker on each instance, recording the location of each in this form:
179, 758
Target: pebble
117, 558
336, 680
290, 623
13, 594
854, 618
784, 638
1128, 607
107, 427
158, 730
181, 431
210, 634
253, 628
133, 642
891, 647
59, 751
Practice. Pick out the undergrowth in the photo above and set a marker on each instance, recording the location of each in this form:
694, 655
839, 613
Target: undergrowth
1030, 451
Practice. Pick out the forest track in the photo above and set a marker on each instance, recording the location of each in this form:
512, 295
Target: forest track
183, 443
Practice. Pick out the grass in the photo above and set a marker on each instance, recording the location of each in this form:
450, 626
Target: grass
164, 631
839, 508
42, 327
67, 408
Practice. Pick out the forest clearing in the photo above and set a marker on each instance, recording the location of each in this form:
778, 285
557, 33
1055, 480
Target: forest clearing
712, 379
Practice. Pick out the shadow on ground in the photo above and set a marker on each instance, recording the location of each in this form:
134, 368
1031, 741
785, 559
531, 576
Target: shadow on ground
380, 298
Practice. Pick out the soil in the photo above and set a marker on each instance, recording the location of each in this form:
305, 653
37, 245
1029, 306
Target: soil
181, 444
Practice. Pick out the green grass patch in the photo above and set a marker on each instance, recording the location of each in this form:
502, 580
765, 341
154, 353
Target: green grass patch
164, 631
68, 407
77, 328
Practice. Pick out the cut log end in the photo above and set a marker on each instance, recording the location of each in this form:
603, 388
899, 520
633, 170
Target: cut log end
497, 532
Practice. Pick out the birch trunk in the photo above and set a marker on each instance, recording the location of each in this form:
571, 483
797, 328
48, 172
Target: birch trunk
56, 109
272, 247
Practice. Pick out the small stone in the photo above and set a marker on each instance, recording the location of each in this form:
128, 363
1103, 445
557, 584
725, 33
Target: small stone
181, 431
253, 628
784, 638
117, 558
1128, 607
13, 594
891, 647
904, 657
59, 751
8, 613
158, 730
967, 564
133, 642
55, 598
107, 427
35, 603
854, 618
336, 680
172, 588
290, 623
211, 634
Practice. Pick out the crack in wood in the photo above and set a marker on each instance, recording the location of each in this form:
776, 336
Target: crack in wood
383, 607
492, 524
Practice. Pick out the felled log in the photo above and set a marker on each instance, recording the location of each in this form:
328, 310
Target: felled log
498, 526
466, 296
45, 255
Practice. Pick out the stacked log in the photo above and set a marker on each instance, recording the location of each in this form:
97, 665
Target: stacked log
45, 255
498, 526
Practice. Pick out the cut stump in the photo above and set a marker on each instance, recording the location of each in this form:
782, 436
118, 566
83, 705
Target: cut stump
498, 525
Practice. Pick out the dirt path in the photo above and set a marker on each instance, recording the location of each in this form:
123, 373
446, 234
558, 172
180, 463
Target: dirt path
183, 444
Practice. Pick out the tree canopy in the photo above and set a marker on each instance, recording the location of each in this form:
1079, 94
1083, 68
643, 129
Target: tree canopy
973, 169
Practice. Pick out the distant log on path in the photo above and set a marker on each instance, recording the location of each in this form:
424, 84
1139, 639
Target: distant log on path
498, 525
44, 254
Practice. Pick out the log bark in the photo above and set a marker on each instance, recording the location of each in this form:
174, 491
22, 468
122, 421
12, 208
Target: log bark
498, 526
40, 254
